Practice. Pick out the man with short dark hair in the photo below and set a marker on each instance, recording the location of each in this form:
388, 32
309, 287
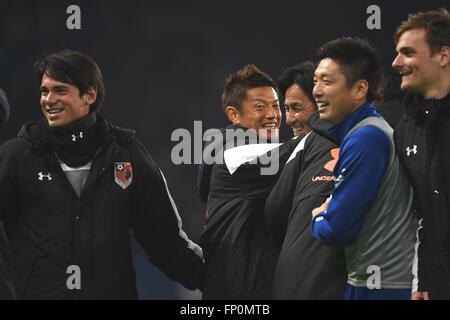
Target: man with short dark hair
305, 269
422, 138
369, 211
72, 186
240, 253
295, 85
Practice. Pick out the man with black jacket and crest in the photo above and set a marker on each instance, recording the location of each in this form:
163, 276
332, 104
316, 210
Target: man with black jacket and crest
72, 186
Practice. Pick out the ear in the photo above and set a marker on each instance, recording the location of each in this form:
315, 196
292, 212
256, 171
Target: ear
233, 114
444, 56
361, 89
91, 96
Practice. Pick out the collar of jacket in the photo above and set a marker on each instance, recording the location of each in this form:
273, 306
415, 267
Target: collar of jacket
76, 143
35, 134
205, 169
340, 130
426, 112
320, 127
63, 134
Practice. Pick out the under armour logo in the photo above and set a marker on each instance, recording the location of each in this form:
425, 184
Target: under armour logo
332, 163
41, 176
409, 150
80, 136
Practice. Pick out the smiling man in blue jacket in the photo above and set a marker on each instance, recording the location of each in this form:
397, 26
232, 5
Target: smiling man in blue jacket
369, 211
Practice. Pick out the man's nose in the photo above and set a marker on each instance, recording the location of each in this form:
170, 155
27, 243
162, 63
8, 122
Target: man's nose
271, 113
50, 98
398, 62
290, 119
317, 90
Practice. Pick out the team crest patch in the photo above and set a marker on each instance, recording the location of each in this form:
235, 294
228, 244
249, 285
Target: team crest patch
123, 174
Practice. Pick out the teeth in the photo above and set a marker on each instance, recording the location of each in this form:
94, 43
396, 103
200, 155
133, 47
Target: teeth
321, 104
53, 111
405, 73
270, 126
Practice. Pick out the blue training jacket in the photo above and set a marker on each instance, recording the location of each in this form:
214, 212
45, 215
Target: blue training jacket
363, 159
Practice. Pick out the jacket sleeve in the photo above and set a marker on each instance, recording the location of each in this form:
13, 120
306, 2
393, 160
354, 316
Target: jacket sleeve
279, 202
7, 182
158, 227
420, 273
7, 187
362, 162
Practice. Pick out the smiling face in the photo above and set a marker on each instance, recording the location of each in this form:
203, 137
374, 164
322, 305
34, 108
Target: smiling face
260, 111
334, 98
298, 110
61, 102
420, 70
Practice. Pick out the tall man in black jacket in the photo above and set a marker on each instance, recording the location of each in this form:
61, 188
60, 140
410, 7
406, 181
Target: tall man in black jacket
72, 186
422, 138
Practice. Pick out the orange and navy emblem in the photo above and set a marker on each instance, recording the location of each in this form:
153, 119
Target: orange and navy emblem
329, 166
123, 174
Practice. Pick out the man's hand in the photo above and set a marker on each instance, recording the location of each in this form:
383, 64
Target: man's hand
323, 207
420, 295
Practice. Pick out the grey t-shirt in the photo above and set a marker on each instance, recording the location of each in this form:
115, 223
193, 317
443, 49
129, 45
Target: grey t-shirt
76, 176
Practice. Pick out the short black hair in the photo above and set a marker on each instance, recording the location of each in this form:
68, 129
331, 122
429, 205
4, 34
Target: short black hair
357, 59
237, 84
302, 74
74, 68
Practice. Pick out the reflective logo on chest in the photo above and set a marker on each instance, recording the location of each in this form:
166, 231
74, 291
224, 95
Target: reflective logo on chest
45, 176
411, 150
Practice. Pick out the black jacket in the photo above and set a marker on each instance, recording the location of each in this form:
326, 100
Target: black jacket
240, 252
7, 289
50, 228
306, 269
422, 141
392, 111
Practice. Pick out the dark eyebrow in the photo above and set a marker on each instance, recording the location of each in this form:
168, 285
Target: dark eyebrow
262, 101
405, 50
320, 75
62, 87
293, 104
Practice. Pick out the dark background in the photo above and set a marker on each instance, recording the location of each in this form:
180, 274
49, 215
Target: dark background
164, 66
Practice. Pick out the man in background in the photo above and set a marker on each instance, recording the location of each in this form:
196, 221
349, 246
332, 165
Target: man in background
422, 139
